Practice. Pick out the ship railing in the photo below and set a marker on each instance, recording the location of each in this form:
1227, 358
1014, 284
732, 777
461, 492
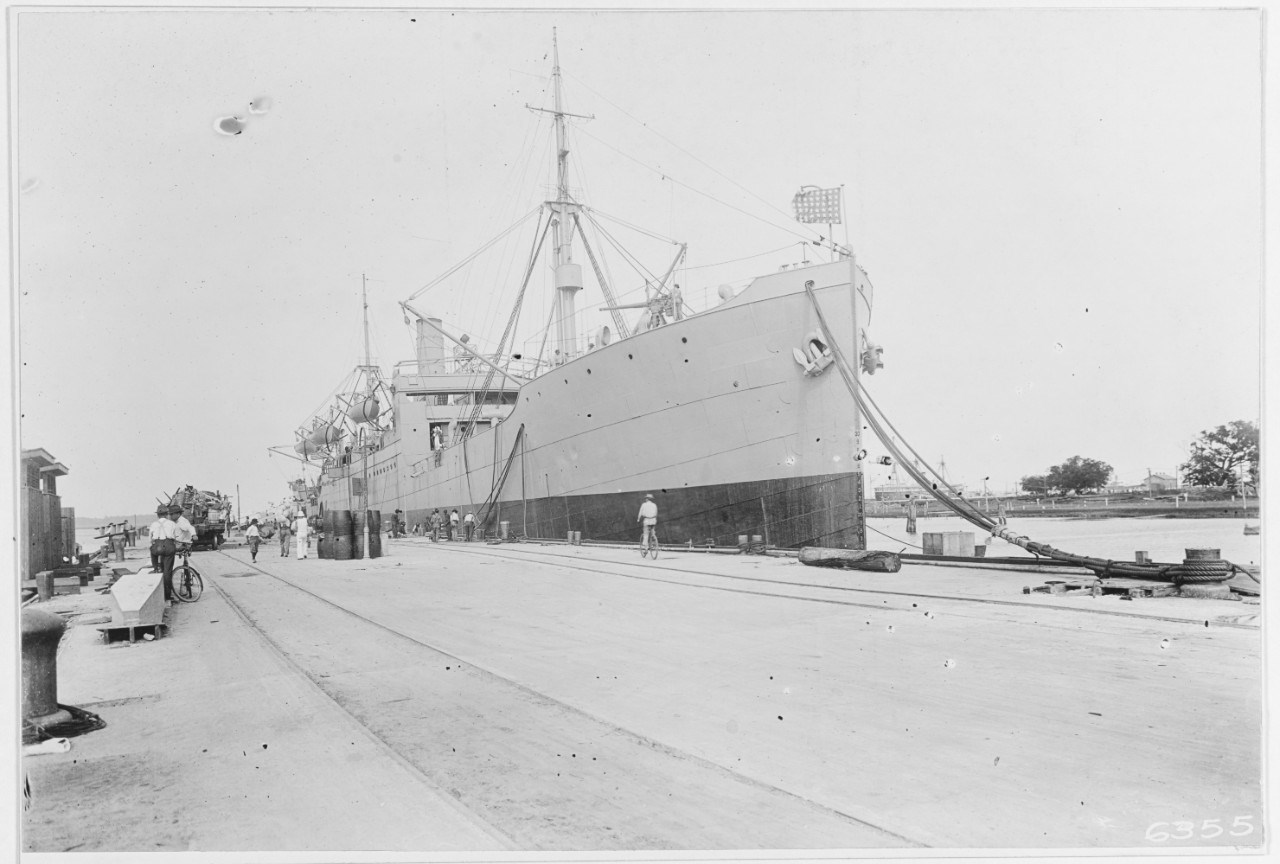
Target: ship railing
467, 366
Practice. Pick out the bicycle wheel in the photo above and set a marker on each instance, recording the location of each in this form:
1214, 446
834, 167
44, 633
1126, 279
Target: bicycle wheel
187, 584
653, 546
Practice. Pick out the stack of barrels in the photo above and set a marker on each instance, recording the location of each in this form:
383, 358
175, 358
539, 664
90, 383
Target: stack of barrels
344, 535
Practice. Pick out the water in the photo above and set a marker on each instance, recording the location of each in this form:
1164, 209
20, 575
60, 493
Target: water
1164, 540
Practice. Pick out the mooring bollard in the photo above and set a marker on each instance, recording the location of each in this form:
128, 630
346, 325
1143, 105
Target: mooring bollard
41, 633
1140, 558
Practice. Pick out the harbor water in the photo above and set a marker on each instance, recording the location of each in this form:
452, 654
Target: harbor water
1164, 540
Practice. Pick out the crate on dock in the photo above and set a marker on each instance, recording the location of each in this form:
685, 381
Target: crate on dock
956, 543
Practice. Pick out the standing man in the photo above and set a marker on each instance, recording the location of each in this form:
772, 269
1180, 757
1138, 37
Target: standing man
396, 523
165, 536
153, 531
254, 538
302, 531
649, 517
436, 520
284, 539
453, 525
470, 522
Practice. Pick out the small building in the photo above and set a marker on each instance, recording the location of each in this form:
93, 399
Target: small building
1159, 483
44, 545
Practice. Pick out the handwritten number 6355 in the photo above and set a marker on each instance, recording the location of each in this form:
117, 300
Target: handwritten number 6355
1209, 829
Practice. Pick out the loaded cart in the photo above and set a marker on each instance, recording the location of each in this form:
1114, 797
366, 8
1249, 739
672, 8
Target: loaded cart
208, 512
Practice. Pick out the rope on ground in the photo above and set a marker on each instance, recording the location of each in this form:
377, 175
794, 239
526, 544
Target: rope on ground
81, 721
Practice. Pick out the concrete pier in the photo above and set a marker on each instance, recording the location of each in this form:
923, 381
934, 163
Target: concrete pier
578, 698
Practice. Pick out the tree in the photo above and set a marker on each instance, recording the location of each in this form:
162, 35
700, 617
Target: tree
1036, 483
1218, 456
1078, 475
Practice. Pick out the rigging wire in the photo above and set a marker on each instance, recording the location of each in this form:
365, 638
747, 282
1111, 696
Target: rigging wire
650, 128
665, 175
465, 261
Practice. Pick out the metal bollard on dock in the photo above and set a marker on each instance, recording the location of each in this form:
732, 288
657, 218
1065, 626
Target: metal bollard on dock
41, 633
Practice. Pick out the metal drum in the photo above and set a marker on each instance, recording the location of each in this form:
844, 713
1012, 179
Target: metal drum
374, 520
338, 528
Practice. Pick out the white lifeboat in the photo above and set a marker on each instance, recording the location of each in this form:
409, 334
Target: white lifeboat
365, 411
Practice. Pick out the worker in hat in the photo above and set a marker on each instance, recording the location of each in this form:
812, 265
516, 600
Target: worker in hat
154, 532
186, 531
253, 536
286, 532
164, 544
302, 533
648, 517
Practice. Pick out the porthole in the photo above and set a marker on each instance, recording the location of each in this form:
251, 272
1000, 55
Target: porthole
629, 357
684, 338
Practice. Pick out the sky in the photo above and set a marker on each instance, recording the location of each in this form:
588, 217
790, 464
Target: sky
1060, 210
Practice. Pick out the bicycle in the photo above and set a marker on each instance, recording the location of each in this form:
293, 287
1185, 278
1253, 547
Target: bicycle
651, 547
188, 585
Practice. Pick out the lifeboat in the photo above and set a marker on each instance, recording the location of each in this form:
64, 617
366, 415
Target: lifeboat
305, 448
366, 410
324, 435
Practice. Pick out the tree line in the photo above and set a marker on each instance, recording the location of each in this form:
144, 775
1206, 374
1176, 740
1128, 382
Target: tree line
1217, 458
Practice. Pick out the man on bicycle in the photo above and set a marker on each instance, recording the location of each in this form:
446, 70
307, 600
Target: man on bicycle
648, 516
186, 531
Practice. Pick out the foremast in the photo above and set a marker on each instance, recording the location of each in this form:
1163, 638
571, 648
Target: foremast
568, 274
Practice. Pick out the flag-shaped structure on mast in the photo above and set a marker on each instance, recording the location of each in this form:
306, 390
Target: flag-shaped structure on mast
817, 205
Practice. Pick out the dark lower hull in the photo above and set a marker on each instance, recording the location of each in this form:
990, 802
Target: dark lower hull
803, 511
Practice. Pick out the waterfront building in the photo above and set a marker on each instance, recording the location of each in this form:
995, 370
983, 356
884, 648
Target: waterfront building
44, 544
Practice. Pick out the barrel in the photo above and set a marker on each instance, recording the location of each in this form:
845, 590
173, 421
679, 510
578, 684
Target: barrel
324, 546
374, 519
338, 527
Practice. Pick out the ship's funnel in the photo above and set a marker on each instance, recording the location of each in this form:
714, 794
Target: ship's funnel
430, 347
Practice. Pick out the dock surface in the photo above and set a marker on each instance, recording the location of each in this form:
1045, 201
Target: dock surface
459, 696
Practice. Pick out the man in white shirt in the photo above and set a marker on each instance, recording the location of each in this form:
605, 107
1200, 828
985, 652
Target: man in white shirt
301, 533
166, 532
186, 531
253, 537
153, 531
648, 516
470, 522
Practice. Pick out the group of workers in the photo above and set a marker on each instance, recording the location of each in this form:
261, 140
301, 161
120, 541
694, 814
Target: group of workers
174, 533
453, 525
287, 530
171, 533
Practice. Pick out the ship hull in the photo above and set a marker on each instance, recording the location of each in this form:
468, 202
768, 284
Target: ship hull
711, 414
803, 511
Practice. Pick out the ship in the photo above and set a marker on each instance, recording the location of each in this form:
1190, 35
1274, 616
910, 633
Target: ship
730, 417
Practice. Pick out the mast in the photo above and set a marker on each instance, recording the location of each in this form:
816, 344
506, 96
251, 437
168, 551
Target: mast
568, 274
